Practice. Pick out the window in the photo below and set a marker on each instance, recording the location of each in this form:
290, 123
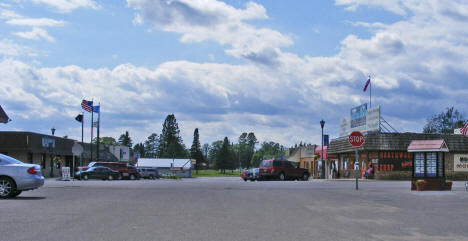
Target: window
428, 164
30, 157
276, 163
266, 164
419, 165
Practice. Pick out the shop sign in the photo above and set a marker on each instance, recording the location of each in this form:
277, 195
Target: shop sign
358, 115
395, 161
460, 162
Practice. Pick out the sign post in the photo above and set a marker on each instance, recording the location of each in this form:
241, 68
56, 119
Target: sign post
356, 139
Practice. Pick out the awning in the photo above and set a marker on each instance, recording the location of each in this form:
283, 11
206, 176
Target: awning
318, 151
428, 146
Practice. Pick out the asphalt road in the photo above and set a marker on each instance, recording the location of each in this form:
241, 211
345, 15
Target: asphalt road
231, 209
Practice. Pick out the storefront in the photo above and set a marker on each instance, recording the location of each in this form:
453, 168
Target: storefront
388, 153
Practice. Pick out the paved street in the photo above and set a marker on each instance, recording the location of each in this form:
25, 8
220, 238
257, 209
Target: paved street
231, 209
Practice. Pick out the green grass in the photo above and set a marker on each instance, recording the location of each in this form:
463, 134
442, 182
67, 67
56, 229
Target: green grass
215, 173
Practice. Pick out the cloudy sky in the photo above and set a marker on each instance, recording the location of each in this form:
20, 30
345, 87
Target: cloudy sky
272, 67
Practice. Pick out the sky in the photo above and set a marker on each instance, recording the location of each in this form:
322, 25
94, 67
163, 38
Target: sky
275, 68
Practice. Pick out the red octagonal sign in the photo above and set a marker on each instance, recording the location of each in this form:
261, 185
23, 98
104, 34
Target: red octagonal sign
356, 139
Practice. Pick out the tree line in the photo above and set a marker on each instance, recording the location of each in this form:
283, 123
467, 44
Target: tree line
221, 154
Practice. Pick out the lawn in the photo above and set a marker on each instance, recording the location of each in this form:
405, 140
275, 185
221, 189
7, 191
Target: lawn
215, 173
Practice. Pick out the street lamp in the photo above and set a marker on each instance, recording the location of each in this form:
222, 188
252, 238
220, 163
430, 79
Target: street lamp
51, 154
322, 124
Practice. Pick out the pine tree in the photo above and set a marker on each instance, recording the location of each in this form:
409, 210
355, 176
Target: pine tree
140, 149
125, 140
223, 157
195, 150
170, 143
152, 145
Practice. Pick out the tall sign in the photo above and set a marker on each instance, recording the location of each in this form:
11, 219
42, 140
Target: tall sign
361, 119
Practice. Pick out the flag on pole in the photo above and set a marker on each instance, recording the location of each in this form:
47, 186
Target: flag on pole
3, 116
87, 105
367, 84
464, 130
79, 118
96, 109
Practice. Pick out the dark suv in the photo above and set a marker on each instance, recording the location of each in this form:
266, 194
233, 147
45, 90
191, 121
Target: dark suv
282, 170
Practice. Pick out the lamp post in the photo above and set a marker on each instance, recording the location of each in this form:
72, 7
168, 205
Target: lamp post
322, 124
51, 154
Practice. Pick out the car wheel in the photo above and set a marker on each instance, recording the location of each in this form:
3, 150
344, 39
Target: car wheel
151, 177
305, 176
17, 193
245, 180
119, 177
85, 177
7, 187
132, 177
110, 177
282, 177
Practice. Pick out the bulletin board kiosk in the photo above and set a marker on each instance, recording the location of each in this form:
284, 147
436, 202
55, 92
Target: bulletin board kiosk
429, 165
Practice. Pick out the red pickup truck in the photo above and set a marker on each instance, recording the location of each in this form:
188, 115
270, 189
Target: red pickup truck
282, 170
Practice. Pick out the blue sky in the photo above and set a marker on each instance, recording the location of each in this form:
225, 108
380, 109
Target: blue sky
226, 67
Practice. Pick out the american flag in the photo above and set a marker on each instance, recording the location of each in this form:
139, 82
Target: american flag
464, 130
87, 105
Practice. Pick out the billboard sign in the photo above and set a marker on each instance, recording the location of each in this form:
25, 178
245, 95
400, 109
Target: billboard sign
361, 119
358, 116
460, 162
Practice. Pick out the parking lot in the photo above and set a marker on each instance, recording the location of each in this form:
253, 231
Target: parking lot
231, 209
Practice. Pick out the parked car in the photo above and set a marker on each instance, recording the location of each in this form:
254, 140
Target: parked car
16, 177
253, 174
126, 171
98, 172
245, 175
282, 170
148, 172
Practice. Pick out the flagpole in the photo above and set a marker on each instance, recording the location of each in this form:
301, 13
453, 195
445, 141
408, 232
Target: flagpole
99, 119
81, 155
370, 93
92, 119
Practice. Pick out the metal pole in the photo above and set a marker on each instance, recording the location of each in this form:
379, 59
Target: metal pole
321, 157
370, 93
356, 166
81, 155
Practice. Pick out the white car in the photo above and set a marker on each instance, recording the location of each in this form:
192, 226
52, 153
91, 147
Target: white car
16, 177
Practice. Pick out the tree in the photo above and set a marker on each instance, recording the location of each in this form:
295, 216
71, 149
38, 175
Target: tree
195, 150
205, 151
445, 122
170, 143
151, 146
213, 153
140, 149
251, 142
224, 155
125, 140
268, 150
106, 140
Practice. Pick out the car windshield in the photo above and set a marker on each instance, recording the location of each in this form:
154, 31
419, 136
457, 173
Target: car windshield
268, 163
4, 159
91, 169
91, 164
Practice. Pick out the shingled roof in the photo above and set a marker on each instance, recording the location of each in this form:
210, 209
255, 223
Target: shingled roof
398, 142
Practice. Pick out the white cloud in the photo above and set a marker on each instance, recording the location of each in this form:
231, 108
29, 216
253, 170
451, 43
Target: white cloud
36, 22
10, 49
35, 34
66, 6
8, 14
215, 20
395, 6
418, 65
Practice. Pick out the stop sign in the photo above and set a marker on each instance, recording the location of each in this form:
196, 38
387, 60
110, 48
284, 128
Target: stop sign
356, 139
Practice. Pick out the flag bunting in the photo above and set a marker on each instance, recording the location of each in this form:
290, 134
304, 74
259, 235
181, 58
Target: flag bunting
87, 105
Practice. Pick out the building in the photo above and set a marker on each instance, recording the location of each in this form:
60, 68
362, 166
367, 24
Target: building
50, 152
304, 156
391, 159
169, 166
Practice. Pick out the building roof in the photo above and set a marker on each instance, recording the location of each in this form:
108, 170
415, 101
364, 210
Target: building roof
398, 142
161, 162
427, 145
